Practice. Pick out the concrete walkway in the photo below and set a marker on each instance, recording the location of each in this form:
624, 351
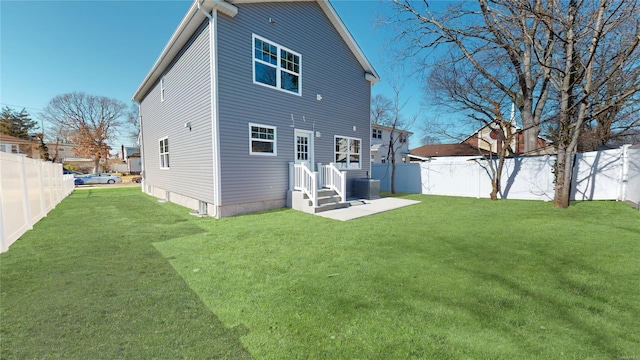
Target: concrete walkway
360, 208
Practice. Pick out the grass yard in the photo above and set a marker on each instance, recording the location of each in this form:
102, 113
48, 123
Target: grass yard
112, 273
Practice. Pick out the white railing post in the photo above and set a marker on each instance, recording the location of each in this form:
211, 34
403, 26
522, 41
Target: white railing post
322, 179
343, 185
306, 181
314, 189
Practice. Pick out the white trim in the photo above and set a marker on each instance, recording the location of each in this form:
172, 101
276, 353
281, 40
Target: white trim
215, 128
274, 141
311, 146
279, 68
348, 153
162, 154
188, 26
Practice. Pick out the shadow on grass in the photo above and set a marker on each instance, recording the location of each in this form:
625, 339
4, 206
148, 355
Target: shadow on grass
87, 283
576, 302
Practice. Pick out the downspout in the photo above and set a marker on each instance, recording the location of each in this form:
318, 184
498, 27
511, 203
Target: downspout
213, 86
141, 143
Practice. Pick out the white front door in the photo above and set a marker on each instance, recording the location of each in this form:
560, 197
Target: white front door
303, 147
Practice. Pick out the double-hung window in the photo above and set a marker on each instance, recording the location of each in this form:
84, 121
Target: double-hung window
164, 153
347, 152
276, 66
262, 140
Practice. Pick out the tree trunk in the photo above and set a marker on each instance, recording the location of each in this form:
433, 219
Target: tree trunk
495, 188
96, 165
497, 177
564, 170
530, 130
393, 174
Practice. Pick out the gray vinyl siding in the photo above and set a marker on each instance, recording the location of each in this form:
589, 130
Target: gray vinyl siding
328, 68
187, 99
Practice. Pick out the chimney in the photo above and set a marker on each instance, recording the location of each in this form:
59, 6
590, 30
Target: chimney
123, 158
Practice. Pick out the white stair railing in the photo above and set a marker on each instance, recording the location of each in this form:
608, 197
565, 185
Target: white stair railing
306, 181
331, 177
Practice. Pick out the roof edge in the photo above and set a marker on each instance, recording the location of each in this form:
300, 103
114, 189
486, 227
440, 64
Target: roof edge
191, 20
180, 37
370, 73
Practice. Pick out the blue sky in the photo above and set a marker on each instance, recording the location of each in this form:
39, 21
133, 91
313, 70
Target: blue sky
48, 48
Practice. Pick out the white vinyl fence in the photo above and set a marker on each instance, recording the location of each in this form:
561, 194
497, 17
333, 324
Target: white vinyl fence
29, 189
600, 175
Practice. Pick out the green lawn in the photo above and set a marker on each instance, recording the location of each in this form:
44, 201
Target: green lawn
112, 273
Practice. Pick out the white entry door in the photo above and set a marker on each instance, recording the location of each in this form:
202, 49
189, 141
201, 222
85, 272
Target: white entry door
303, 147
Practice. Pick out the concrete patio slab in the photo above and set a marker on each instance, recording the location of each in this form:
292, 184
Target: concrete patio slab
360, 208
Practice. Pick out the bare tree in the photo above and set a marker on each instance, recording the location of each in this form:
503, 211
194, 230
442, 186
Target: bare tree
430, 140
397, 125
584, 30
89, 122
578, 59
132, 122
502, 32
381, 110
458, 87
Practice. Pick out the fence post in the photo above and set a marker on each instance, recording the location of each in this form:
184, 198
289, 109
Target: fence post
43, 203
25, 193
624, 174
3, 229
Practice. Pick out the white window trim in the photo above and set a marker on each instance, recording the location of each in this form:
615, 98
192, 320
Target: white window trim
274, 141
163, 154
348, 152
278, 68
162, 88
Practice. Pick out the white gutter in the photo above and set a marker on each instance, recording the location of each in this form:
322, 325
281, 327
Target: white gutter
213, 86
141, 143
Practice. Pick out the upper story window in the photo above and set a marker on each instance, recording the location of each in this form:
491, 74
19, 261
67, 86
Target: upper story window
276, 66
347, 152
402, 138
376, 133
162, 87
262, 140
164, 153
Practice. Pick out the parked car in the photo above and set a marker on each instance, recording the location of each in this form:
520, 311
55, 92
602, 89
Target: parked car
67, 172
97, 178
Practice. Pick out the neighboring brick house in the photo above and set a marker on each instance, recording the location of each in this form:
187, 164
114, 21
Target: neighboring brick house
483, 142
487, 138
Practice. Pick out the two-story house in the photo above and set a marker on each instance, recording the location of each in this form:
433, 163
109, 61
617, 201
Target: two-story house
249, 103
488, 138
381, 137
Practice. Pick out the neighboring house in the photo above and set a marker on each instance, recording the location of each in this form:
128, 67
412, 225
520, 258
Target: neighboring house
487, 138
483, 142
380, 136
62, 152
15, 145
131, 154
425, 152
243, 95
